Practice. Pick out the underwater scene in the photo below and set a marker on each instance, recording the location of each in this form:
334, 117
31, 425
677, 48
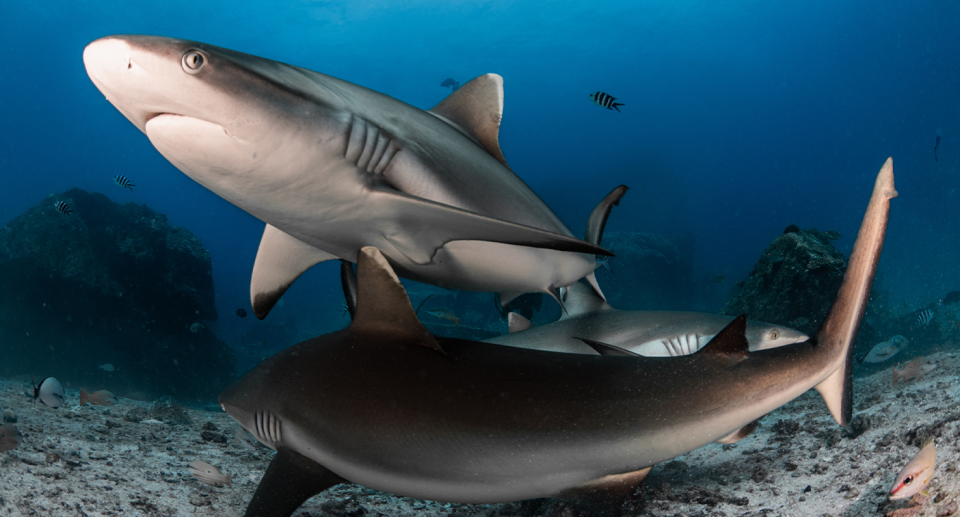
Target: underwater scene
479, 258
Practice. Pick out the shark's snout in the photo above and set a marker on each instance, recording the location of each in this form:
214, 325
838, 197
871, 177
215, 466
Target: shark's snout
106, 59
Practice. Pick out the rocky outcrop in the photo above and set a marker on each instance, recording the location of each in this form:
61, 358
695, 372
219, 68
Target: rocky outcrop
648, 272
794, 283
113, 284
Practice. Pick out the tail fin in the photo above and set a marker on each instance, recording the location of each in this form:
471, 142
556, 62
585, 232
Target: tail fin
84, 397
839, 329
614, 106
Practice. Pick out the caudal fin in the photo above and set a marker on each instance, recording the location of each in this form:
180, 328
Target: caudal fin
839, 330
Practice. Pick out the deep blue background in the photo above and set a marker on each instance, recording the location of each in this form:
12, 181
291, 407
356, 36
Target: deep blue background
740, 117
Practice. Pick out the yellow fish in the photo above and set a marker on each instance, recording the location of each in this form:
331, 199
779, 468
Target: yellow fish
913, 479
445, 314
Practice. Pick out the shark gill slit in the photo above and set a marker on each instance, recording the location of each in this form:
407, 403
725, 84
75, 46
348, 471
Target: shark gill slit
369, 147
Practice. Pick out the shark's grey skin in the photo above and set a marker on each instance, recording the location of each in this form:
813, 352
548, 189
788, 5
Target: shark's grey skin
386, 405
332, 167
648, 333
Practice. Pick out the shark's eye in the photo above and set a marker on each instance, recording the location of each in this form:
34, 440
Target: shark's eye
192, 61
774, 334
907, 480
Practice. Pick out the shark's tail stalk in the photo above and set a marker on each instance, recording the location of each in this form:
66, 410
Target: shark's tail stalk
839, 330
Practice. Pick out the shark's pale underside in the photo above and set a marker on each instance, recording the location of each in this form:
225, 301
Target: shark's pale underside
332, 167
385, 404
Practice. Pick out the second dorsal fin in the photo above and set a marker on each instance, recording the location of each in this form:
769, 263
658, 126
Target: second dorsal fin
476, 108
382, 302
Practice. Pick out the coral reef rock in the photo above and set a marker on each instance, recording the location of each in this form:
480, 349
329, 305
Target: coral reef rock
793, 284
109, 283
649, 272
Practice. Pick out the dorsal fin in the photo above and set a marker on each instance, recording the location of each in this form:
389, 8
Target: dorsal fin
382, 302
581, 299
517, 322
605, 349
476, 109
598, 218
731, 342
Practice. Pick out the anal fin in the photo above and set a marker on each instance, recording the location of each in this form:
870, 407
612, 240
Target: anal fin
290, 480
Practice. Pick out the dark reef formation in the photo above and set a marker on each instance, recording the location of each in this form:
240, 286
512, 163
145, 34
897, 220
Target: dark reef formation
796, 280
113, 284
793, 284
649, 272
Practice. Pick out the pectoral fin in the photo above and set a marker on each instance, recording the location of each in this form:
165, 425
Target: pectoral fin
290, 480
281, 259
741, 433
419, 227
605, 496
517, 322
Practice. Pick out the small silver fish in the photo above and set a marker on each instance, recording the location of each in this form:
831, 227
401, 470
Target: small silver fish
196, 327
915, 477
887, 349
107, 367
209, 474
122, 181
49, 392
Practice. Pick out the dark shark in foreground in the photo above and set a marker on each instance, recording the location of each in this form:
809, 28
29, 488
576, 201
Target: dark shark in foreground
385, 404
332, 167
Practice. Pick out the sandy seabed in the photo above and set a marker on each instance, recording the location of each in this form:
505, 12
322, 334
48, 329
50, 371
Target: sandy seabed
132, 459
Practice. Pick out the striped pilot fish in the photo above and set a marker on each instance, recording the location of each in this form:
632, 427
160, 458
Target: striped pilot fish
123, 181
924, 317
62, 207
605, 101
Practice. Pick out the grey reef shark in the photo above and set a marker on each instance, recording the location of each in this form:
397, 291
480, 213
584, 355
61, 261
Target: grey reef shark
333, 167
648, 333
589, 317
385, 404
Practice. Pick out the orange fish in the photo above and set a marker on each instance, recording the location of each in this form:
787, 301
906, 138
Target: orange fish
9, 437
915, 477
915, 368
445, 314
97, 398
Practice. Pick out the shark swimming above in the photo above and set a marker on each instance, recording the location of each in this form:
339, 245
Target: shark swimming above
385, 404
333, 167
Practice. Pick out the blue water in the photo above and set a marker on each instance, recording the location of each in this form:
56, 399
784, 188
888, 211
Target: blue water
740, 118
